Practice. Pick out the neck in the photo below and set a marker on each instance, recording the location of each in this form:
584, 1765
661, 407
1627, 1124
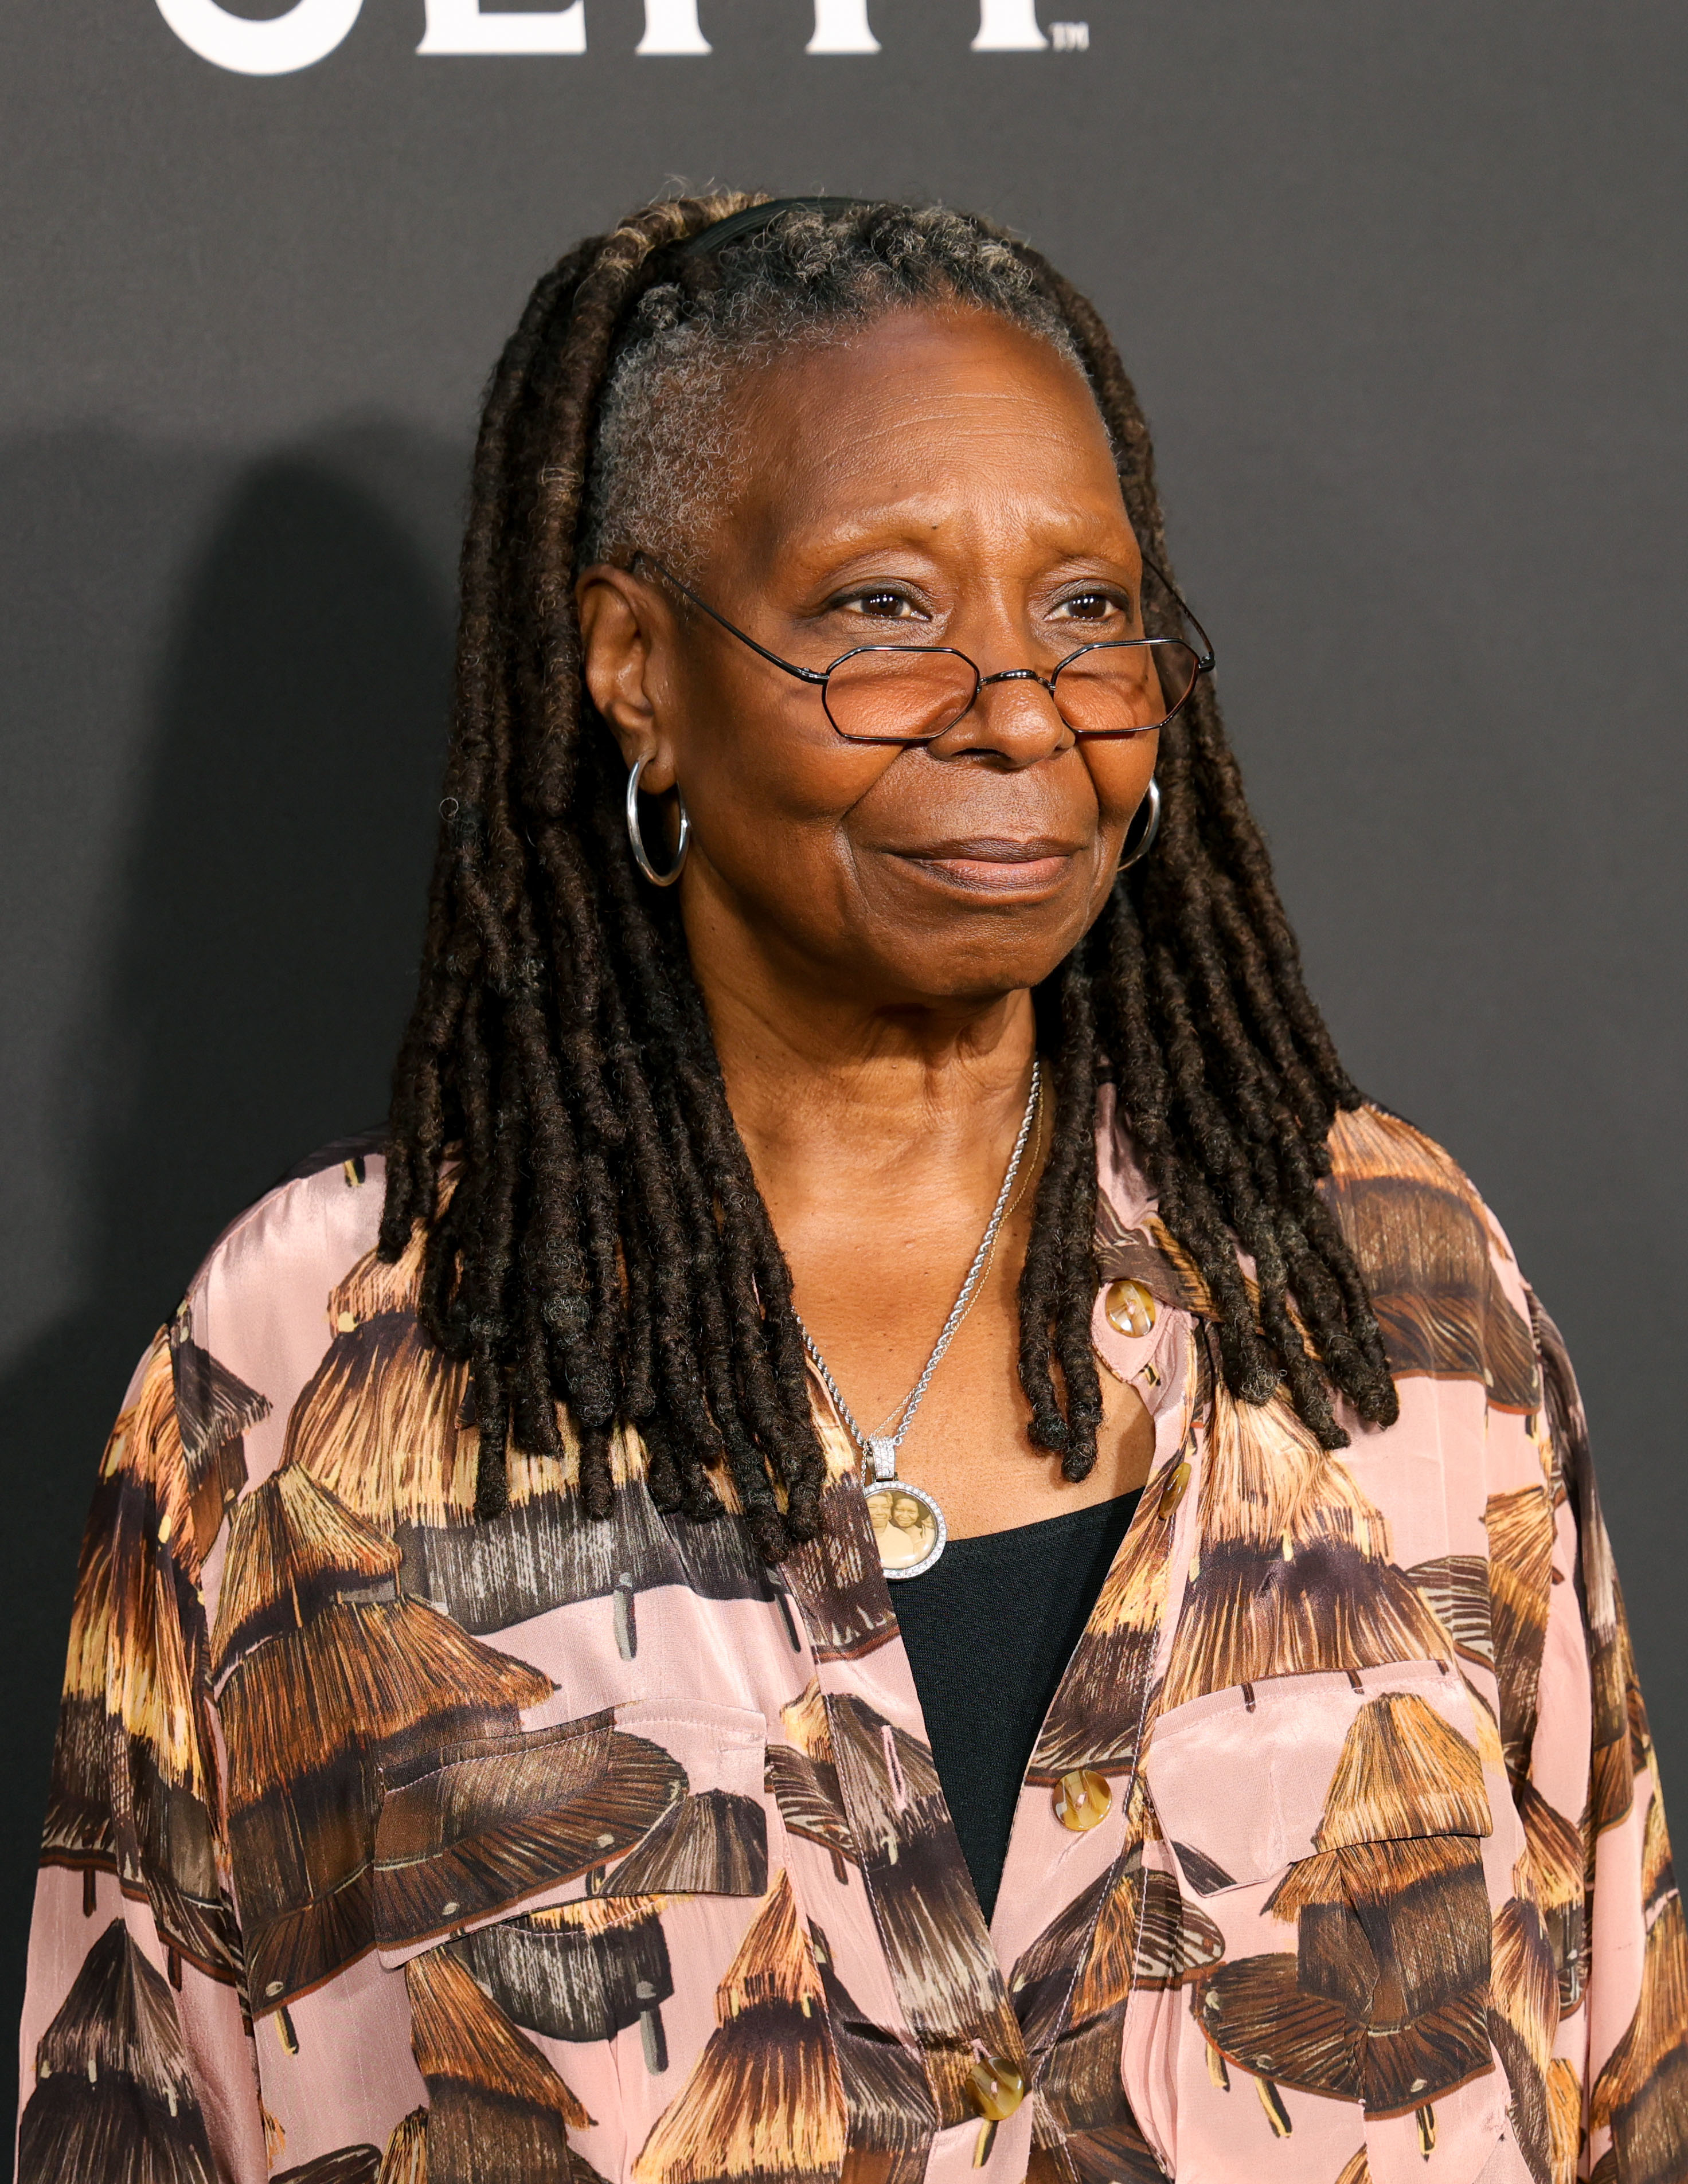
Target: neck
820, 1081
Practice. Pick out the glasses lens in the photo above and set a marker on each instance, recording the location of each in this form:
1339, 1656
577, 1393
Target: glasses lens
1121, 689
898, 694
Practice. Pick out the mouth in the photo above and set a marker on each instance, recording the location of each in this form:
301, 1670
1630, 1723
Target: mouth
996, 865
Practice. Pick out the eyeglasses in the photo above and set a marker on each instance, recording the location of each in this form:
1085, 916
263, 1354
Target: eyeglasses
912, 694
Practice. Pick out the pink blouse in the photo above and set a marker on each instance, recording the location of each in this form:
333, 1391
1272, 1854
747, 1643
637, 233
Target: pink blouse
383, 1845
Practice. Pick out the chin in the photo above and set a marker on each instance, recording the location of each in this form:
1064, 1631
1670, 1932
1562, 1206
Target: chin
978, 946
981, 968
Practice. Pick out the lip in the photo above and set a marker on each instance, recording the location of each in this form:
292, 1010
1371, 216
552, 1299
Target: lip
1000, 864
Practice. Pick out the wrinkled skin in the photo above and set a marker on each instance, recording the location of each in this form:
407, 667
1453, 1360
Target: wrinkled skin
867, 922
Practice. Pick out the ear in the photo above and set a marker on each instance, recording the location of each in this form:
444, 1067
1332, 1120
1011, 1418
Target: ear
626, 631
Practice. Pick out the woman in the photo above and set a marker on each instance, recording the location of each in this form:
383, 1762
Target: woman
882, 1378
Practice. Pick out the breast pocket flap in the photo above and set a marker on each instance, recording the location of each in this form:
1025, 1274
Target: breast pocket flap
647, 1799
1254, 1777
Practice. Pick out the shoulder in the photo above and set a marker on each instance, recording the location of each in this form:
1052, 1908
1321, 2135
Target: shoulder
206, 1413
301, 1237
1401, 1197
1369, 1144
1448, 1292
260, 1313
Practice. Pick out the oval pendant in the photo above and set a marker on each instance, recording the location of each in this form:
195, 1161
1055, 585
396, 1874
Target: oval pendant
909, 1526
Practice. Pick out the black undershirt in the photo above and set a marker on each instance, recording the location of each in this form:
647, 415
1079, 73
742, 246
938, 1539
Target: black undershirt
990, 1630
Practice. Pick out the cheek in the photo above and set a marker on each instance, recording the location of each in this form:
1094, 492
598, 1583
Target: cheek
768, 785
1121, 773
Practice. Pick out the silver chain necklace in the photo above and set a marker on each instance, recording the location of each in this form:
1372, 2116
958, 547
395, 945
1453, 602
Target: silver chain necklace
910, 1528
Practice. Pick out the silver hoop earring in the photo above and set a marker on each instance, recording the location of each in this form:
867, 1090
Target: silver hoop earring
1146, 840
643, 863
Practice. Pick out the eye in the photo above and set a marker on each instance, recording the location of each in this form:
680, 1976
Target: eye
883, 603
1092, 606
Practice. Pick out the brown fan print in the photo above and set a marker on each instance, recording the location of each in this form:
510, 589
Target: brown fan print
811, 1804
1456, 1587
347, 2164
1621, 1743
712, 1843
1385, 1999
496, 2108
1523, 2018
467, 1832
1564, 2120
1096, 1717
765, 2099
1404, 1772
114, 2096
838, 1575
889, 2119
328, 1676
1642, 2095
579, 1971
215, 1412
802, 1777
1112, 2153
1566, 1454
387, 1423
1623, 1746
462, 1835
131, 1792
405, 2160
1129, 1928
1520, 1528
1421, 1234
1557, 1885
935, 1942
1293, 1574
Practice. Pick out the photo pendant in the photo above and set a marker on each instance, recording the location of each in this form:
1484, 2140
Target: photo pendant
909, 1526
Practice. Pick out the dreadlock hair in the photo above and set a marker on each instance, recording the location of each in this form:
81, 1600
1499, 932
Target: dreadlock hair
604, 1245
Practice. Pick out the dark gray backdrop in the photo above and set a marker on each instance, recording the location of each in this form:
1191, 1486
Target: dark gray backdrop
1403, 289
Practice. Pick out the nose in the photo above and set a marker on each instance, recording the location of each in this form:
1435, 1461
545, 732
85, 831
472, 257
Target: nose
1013, 722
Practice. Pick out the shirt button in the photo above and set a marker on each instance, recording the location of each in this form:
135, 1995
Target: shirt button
995, 2088
1081, 1800
1130, 1308
1172, 1493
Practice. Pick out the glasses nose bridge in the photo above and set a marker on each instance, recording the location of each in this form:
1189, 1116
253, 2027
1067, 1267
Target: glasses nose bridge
1018, 675
977, 710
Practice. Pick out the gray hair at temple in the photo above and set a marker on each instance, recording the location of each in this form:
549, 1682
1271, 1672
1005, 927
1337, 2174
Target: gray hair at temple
666, 448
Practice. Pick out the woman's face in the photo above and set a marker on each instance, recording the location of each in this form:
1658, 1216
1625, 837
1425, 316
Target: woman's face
936, 478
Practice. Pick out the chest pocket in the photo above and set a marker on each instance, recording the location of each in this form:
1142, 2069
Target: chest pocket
1333, 1827
647, 1799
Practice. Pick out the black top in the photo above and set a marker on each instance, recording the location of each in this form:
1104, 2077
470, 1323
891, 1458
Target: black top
990, 1630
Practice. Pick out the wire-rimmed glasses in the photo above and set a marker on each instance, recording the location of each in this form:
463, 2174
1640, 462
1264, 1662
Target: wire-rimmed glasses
913, 694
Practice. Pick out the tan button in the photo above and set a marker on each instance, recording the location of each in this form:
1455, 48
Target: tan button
1172, 1493
1130, 1308
346, 1322
1081, 1800
995, 2088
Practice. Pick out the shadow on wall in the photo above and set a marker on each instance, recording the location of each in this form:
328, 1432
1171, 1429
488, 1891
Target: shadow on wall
258, 954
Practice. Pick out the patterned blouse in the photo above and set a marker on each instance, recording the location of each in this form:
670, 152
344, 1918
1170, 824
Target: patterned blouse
385, 1845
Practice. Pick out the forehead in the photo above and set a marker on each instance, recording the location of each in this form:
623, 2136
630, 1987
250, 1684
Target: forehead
918, 406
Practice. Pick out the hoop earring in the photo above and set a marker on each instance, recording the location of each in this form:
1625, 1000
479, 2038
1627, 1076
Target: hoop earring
643, 863
1147, 840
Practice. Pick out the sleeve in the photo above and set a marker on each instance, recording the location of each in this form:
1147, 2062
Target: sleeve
137, 2059
1588, 1790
